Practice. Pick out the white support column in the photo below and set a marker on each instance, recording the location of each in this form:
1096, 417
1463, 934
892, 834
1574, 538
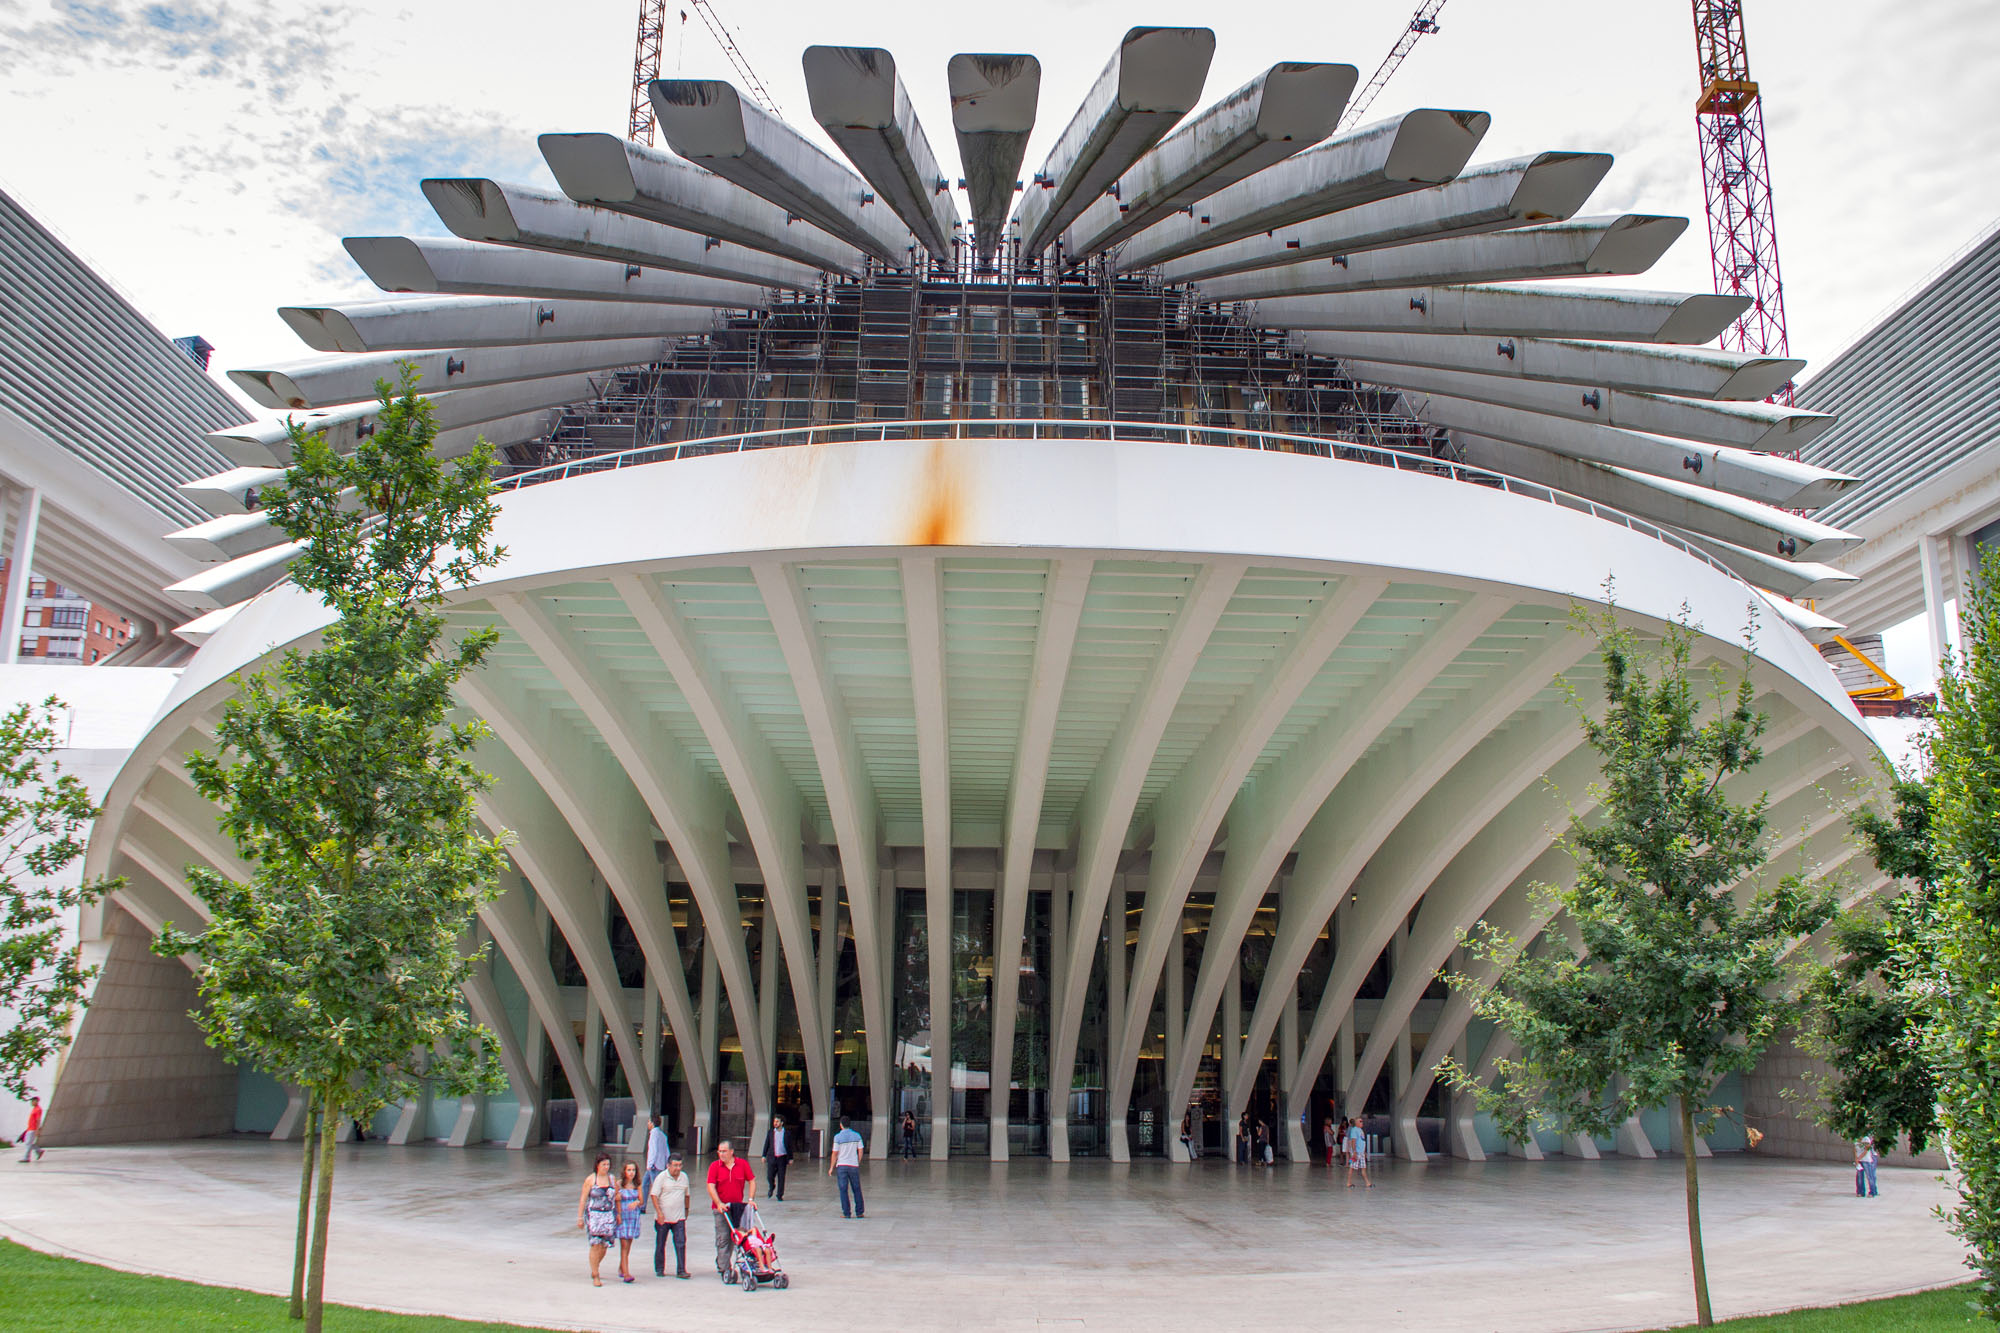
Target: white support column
483, 999
27, 521
829, 960
1232, 1047
923, 618
768, 953
651, 1037
1055, 640
1288, 1073
1176, 1017
1058, 962
1930, 555
409, 1119
1461, 1136
711, 1038
522, 936
1117, 1138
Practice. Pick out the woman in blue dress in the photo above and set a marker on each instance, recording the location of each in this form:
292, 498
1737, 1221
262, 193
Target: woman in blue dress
631, 1209
597, 1212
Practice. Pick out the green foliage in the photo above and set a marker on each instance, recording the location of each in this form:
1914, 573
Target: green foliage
1674, 978
349, 792
45, 819
1958, 968
1862, 1016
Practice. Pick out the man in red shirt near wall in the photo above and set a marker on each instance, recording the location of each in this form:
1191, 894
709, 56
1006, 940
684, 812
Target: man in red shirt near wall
29, 1145
732, 1182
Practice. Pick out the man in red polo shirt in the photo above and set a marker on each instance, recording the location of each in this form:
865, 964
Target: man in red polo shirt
30, 1145
732, 1182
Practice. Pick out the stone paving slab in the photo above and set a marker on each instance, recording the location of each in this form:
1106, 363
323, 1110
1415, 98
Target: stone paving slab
1490, 1247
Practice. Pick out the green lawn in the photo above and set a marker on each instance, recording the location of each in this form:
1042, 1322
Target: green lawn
38, 1291
1922, 1313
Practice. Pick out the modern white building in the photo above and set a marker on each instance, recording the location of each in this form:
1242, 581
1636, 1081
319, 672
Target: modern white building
1055, 672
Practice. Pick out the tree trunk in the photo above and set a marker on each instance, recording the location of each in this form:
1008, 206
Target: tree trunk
329, 1121
311, 1156
1702, 1317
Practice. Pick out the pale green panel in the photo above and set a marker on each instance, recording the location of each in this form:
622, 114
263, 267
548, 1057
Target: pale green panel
441, 1115
260, 1101
992, 616
497, 1122
856, 609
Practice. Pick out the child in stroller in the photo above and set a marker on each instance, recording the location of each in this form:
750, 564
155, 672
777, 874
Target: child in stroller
753, 1255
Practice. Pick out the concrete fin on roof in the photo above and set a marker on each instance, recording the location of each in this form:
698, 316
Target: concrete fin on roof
1787, 578
477, 209
268, 443
1730, 518
236, 580
1153, 79
993, 101
642, 181
709, 123
1741, 425
332, 380
859, 100
449, 266
1378, 161
1522, 191
1598, 313
1285, 110
1586, 247
1762, 477
1687, 372
229, 492
483, 321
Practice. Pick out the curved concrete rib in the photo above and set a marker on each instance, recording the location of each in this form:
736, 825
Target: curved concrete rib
1362, 814
851, 804
151, 904
1267, 817
770, 803
451, 267
1188, 813
1379, 161
1750, 474
329, 381
482, 999
1490, 197
1151, 81
1787, 578
1686, 372
1501, 312
993, 100
478, 209
180, 905
1714, 513
1586, 247
707, 122
1063, 591
1104, 815
483, 321
687, 808
1763, 427
859, 100
511, 921
923, 623
1285, 110
643, 182
170, 801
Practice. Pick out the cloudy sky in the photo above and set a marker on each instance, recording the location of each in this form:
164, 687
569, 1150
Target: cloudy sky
208, 157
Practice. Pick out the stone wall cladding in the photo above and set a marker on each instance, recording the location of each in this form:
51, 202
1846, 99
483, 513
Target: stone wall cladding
138, 1069
1789, 1131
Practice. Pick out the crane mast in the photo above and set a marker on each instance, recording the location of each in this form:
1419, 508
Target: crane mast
646, 68
1736, 177
1422, 24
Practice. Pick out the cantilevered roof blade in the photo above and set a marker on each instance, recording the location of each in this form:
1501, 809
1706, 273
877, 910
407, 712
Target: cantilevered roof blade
452, 267
483, 321
1586, 247
1687, 372
707, 122
486, 210
1285, 110
628, 177
993, 100
859, 100
1597, 313
1152, 80
1379, 161
331, 380
1548, 187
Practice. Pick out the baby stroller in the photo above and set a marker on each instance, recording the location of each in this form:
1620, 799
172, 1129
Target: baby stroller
753, 1254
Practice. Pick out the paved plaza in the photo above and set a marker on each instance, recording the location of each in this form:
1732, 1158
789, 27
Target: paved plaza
1503, 1245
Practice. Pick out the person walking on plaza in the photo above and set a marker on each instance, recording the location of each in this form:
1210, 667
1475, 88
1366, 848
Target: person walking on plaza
1357, 1154
669, 1197
848, 1150
631, 1211
31, 1137
777, 1156
1329, 1139
1865, 1159
1262, 1143
1243, 1139
657, 1150
731, 1184
597, 1212
909, 1134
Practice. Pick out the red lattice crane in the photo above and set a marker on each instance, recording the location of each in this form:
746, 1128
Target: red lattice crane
1736, 176
646, 68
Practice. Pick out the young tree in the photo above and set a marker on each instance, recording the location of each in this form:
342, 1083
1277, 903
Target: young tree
349, 792
1863, 1015
1678, 980
45, 819
1957, 977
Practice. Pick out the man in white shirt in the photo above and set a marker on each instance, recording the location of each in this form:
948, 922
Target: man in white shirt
777, 1156
669, 1195
657, 1149
846, 1168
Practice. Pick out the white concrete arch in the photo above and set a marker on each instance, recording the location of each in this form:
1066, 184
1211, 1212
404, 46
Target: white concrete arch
923, 627
510, 920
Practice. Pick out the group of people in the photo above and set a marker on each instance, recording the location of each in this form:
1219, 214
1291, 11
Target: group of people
1253, 1144
612, 1209
1350, 1141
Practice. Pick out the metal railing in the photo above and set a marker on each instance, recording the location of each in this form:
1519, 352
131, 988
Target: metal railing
1068, 428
